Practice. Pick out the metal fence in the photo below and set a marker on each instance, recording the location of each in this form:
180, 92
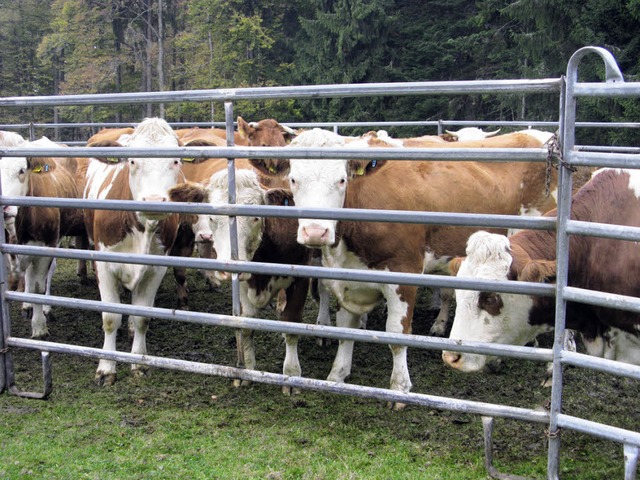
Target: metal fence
568, 89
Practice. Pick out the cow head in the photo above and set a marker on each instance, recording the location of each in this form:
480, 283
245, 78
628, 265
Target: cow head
149, 179
265, 133
318, 183
488, 316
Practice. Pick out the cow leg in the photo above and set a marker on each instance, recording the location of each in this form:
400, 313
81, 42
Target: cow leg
400, 302
182, 291
439, 327
205, 250
245, 347
324, 313
36, 282
341, 368
52, 268
296, 297
82, 243
144, 296
109, 292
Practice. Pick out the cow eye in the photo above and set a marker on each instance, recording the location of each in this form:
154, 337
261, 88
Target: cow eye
343, 181
490, 302
21, 172
176, 162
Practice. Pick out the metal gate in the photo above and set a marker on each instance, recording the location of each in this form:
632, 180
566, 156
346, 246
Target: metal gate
568, 89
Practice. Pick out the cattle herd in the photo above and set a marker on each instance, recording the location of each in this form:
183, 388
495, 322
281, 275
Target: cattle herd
509, 188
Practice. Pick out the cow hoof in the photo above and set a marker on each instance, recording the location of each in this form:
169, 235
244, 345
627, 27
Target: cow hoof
105, 379
291, 391
238, 383
396, 406
139, 371
437, 331
40, 335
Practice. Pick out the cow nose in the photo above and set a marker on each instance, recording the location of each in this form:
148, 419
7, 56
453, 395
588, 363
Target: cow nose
451, 358
204, 237
315, 235
154, 198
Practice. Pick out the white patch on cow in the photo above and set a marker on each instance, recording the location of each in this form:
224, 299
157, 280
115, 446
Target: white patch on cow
138, 243
11, 139
250, 229
540, 135
488, 258
261, 299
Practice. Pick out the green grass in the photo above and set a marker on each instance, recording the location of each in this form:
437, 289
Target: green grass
179, 425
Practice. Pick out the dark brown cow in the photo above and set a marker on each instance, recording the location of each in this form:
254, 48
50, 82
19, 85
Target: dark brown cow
600, 264
270, 240
42, 226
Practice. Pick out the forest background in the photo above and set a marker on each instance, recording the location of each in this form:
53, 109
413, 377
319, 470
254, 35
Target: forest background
51, 47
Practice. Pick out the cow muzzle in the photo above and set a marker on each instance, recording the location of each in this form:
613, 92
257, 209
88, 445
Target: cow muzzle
315, 235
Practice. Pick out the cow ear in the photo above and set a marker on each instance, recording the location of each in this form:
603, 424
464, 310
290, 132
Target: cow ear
279, 197
271, 167
198, 142
40, 165
359, 168
244, 129
454, 265
107, 143
188, 192
538, 271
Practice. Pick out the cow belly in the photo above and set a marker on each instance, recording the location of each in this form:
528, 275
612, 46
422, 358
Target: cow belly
616, 345
133, 276
261, 297
356, 297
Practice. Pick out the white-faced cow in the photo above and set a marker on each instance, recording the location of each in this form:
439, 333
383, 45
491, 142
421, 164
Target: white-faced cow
606, 265
396, 185
470, 133
140, 179
39, 226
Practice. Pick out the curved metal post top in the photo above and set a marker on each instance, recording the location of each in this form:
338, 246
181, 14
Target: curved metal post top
612, 74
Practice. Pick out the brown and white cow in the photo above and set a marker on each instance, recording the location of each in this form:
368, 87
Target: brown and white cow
39, 226
260, 239
140, 179
395, 185
120, 135
601, 264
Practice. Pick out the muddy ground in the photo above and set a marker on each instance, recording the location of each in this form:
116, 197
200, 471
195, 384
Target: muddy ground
591, 395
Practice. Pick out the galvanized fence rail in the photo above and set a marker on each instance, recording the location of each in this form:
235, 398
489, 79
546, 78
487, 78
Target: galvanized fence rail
568, 91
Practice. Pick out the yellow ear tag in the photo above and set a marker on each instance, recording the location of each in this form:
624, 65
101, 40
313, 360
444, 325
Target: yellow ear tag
188, 159
360, 171
272, 169
37, 169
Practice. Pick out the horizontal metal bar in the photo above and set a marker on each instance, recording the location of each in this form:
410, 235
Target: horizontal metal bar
372, 276
601, 364
606, 89
604, 230
551, 85
305, 329
431, 401
355, 214
319, 153
610, 160
602, 299
607, 432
